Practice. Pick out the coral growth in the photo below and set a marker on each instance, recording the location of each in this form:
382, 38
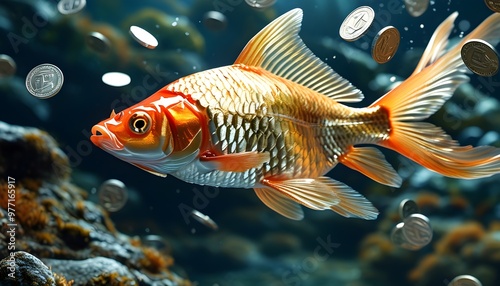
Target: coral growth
154, 261
453, 241
61, 280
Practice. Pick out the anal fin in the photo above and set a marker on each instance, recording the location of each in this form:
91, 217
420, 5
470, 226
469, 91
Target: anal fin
280, 203
371, 163
325, 193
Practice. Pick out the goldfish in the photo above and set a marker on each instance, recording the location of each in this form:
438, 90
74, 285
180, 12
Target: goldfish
275, 122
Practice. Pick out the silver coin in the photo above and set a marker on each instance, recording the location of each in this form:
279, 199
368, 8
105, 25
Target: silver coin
117, 79
44, 80
154, 241
407, 207
204, 219
98, 42
416, 7
465, 280
417, 230
260, 3
357, 23
215, 21
480, 57
70, 6
398, 239
143, 37
7, 66
112, 195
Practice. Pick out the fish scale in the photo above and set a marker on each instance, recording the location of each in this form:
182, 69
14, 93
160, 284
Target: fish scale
285, 122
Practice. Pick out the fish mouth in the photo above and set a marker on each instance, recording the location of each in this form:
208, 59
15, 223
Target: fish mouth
105, 139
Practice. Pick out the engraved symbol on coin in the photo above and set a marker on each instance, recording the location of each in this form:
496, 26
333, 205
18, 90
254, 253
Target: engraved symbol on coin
385, 44
112, 195
480, 57
417, 230
70, 6
494, 5
357, 23
465, 280
398, 238
416, 7
407, 207
260, 3
44, 81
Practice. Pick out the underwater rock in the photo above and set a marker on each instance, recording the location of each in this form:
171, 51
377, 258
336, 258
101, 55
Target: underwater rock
22, 268
97, 270
44, 214
30, 153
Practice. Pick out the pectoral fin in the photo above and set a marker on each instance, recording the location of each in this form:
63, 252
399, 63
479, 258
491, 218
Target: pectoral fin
149, 170
325, 193
237, 162
280, 203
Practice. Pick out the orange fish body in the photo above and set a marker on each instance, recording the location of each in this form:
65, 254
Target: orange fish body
273, 121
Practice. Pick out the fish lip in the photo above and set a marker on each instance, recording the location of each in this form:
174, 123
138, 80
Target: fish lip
106, 139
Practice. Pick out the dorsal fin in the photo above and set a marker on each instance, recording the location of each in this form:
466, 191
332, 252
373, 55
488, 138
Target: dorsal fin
278, 49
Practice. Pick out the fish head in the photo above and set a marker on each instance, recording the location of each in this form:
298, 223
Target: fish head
139, 135
160, 135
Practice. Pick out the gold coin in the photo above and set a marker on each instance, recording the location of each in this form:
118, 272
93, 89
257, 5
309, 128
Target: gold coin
480, 57
385, 44
494, 5
357, 23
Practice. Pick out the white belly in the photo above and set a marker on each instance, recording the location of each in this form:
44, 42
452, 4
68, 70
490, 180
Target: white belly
192, 173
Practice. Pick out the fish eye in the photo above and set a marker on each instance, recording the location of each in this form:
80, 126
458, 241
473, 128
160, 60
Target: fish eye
140, 122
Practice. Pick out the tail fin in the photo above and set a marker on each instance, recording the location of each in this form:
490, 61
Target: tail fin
434, 81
